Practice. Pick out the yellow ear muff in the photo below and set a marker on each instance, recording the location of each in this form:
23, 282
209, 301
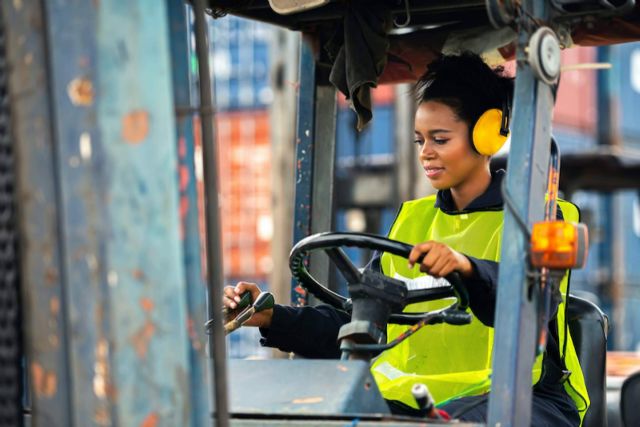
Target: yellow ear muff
486, 133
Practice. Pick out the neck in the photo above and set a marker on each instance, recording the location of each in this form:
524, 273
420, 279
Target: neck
464, 193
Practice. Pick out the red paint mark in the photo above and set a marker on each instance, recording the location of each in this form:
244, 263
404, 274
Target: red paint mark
141, 339
45, 383
54, 306
146, 304
193, 335
150, 420
51, 275
138, 274
135, 126
183, 174
182, 147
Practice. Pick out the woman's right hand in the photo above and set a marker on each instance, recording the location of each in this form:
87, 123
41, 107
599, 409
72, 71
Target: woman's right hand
232, 297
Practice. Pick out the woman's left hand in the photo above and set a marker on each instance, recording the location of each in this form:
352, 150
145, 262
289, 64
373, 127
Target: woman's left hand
439, 259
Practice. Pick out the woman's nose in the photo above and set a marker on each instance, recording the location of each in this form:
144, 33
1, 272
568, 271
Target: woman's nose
426, 151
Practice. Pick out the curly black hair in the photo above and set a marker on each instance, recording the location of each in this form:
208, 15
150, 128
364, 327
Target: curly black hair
466, 84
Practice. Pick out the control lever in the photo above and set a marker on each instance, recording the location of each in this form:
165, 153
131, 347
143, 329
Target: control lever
245, 301
423, 398
264, 301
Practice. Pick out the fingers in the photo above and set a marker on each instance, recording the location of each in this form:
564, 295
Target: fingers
434, 258
242, 287
419, 252
228, 296
435, 265
232, 294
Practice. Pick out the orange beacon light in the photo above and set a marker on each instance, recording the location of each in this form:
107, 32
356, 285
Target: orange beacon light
559, 245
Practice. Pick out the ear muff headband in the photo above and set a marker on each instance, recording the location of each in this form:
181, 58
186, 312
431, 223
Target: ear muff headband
491, 130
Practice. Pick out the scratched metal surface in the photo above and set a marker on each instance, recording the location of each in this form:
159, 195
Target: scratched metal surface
305, 129
145, 281
42, 291
108, 340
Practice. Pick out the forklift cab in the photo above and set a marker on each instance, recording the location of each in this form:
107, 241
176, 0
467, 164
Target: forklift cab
532, 33
98, 111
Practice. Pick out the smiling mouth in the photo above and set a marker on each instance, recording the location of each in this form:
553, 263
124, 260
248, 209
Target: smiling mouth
433, 172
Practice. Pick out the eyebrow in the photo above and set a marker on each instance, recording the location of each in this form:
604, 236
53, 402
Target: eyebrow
435, 131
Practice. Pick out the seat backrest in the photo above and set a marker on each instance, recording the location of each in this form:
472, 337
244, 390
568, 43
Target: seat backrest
589, 326
629, 401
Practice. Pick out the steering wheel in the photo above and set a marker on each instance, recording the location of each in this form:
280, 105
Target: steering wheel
332, 242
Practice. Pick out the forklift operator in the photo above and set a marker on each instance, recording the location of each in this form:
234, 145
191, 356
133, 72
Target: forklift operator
461, 104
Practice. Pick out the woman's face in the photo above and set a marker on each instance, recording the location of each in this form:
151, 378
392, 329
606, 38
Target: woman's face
445, 152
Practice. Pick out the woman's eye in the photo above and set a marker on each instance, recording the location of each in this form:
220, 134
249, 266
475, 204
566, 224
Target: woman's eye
418, 141
440, 141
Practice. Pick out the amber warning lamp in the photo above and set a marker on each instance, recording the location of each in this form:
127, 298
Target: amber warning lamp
559, 245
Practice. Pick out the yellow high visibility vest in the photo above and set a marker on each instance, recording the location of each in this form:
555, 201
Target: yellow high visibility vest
455, 361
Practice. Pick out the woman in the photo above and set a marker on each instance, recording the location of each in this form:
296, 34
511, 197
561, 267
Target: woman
457, 127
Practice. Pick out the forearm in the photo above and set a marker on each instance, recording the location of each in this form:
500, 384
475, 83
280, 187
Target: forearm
308, 331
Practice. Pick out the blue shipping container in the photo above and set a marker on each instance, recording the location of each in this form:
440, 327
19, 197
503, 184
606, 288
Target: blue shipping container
375, 142
571, 140
626, 82
588, 278
630, 217
240, 63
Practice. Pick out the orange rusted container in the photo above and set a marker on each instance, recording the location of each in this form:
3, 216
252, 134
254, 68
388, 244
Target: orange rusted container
244, 156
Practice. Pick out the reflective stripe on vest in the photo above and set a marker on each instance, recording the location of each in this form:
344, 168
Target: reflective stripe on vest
454, 361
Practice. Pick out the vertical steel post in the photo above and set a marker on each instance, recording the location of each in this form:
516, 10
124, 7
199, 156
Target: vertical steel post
180, 36
215, 275
315, 161
107, 290
72, 79
324, 156
46, 348
514, 345
305, 128
283, 55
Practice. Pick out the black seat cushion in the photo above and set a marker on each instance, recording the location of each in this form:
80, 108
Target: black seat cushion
589, 326
629, 401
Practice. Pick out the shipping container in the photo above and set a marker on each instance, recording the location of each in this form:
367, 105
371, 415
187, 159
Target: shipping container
626, 82
631, 340
240, 63
576, 103
630, 217
573, 140
589, 278
381, 95
244, 155
375, 144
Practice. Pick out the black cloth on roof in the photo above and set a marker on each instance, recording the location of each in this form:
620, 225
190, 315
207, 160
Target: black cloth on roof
359, 52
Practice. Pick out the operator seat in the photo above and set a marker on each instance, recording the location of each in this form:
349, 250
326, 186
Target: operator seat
589, 327
629, 399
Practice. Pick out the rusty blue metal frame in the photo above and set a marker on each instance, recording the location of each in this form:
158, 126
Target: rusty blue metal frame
107, 331
305, 129
42, 290
315, 163
180, 36
145, 281
514, 345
